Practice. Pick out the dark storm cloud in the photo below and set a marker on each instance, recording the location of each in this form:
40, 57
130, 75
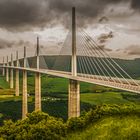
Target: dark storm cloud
135, 4
27, 14
22, 14
103, 20
103, 38
87, 10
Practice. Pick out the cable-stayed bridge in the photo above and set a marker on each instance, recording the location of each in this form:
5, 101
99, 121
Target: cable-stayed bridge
80, 59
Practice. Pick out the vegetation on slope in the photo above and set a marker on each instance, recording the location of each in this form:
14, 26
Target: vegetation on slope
42, 126
110, 128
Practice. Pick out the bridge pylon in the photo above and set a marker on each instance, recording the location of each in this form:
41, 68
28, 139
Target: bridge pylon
24, 96
7, 70
11, 74
74, 86
17, 76
37, 82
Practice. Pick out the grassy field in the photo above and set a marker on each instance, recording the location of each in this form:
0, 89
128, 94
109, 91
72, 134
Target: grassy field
111, 128
110, 98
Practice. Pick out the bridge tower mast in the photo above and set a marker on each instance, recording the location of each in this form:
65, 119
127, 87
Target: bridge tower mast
37, 82
74, 87
74, 62
17, 75
24, 96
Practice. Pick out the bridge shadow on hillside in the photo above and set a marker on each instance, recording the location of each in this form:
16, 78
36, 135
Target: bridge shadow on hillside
10, 110
60, 108
13, 109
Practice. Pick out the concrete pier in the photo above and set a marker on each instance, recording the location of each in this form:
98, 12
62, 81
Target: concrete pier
37, 92
24, 96
7, 71
37, 82
74, 86
17, 76
74, 99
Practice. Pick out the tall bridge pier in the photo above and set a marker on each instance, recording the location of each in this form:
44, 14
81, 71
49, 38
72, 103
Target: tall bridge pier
24, 96
74, 99
7, 71
17, 76
74, 86
11, 74
37, 82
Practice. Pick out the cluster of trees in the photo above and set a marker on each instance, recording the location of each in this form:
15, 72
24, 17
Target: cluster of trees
41, 126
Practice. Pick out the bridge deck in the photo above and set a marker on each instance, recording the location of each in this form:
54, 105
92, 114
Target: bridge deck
118, 83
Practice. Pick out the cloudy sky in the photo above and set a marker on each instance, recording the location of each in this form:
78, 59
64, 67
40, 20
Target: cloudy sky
21, 21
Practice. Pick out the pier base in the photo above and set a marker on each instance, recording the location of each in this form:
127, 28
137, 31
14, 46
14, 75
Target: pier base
74, 99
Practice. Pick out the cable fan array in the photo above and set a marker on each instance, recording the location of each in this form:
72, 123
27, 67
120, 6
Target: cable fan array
92, 60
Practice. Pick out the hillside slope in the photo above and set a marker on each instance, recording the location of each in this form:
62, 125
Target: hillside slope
111, 128
106, 122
